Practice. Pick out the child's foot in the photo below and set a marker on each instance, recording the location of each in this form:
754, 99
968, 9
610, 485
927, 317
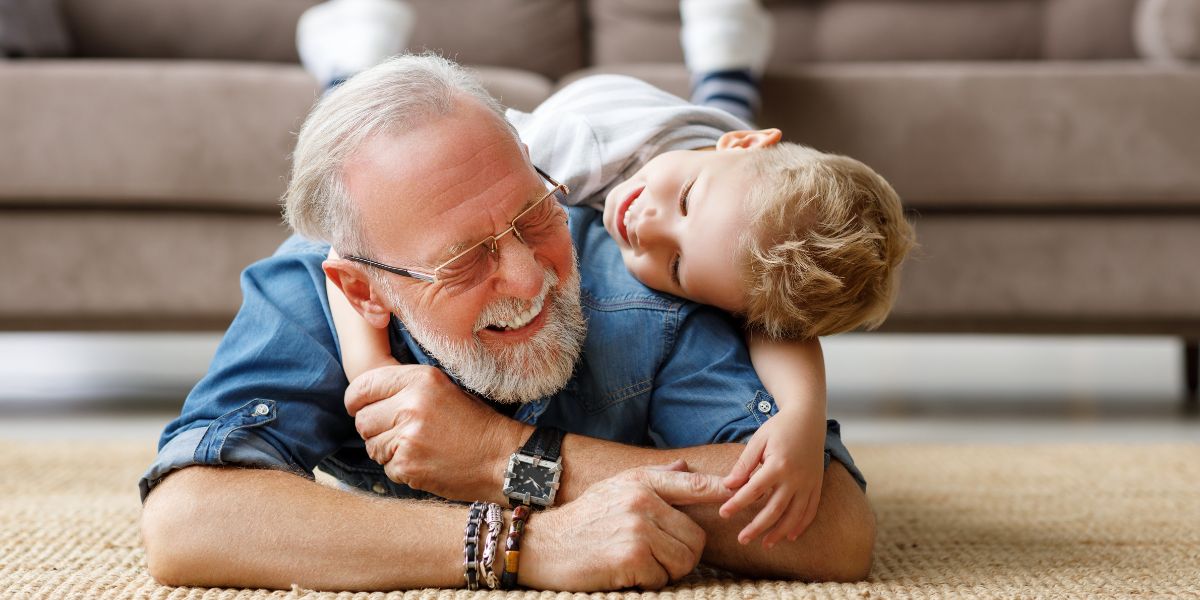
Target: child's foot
339, 38
726, 44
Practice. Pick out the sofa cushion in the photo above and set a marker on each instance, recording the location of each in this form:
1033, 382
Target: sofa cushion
103, 269
259, 30
627, 31
180, 133
122, 269
138, 133
543, 36
1061, 273
1050, 135
32, 28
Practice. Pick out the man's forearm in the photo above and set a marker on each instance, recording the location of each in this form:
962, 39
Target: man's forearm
230, 527
587, 460
845, 514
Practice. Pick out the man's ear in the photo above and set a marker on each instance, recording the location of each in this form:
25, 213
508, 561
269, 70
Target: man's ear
747, 139
348, 276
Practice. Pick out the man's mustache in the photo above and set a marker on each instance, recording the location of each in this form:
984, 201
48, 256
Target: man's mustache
507, 309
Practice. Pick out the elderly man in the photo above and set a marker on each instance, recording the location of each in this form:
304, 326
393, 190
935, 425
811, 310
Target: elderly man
454, 242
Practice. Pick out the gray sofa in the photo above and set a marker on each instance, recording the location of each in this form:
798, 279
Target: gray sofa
1049, 150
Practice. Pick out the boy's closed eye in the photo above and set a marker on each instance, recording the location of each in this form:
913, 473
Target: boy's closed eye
684, 194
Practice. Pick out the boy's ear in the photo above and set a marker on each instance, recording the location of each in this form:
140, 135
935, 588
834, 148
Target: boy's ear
348, 276
747, 139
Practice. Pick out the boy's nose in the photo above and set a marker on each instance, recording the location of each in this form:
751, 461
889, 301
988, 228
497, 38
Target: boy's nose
650, 228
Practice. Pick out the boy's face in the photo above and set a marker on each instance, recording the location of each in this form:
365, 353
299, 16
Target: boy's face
678, 220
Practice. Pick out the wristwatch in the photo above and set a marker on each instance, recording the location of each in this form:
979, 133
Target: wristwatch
534, 470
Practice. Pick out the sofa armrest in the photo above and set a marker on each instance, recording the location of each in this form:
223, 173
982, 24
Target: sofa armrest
1167, 30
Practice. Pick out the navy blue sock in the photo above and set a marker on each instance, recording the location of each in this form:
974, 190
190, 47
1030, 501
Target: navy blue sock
734, 91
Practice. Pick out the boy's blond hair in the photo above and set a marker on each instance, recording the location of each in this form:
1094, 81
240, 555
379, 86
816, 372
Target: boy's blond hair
827, 236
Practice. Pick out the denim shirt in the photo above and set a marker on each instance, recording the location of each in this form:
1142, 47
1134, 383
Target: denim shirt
655, 371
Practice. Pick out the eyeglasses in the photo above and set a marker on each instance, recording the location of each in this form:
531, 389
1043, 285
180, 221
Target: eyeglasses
476, 264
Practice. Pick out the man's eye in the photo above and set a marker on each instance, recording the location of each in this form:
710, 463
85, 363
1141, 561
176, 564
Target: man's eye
683, 197
539, 218
675, 270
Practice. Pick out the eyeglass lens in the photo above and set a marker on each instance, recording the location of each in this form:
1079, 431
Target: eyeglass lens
480, 262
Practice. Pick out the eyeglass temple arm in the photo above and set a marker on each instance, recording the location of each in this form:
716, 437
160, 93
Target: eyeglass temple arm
391, 269
565, 189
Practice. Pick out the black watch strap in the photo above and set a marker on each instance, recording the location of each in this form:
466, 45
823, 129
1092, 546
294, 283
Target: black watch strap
545, 442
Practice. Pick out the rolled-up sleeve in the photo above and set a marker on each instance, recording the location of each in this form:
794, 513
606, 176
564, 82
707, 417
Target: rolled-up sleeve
707, 391
273, 396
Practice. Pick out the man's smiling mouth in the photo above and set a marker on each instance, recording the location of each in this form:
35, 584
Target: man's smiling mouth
522, 319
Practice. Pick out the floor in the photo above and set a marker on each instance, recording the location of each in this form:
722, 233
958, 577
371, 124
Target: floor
884, 388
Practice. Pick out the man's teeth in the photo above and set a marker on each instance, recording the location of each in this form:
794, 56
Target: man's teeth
524, 318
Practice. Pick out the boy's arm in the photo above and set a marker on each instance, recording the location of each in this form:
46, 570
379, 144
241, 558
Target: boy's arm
793, 371
362, 347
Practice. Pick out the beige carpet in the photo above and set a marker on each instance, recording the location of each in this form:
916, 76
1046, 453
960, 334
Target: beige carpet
1100, 521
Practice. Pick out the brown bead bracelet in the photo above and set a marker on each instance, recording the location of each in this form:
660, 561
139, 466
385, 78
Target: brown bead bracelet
512, 547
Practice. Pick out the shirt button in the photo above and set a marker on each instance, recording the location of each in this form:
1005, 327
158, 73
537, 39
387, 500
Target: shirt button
261, 410
379, 488
764, 407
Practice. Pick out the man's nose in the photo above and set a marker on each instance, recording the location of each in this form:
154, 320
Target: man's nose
519, 274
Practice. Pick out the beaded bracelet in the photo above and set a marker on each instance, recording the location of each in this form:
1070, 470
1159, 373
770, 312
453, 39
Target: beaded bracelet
471, 545
495, 522
512, 548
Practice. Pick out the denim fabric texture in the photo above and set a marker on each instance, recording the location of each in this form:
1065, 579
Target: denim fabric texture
655, 370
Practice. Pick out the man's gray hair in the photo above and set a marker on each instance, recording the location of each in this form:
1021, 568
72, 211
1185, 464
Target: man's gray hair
389, 98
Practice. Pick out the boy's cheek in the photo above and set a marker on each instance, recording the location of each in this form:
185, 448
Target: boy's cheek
644, 271
633, 264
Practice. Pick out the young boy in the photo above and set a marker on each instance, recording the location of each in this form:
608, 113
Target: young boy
797, 243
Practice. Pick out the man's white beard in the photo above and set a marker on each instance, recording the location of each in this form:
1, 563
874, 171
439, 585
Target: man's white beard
524, 372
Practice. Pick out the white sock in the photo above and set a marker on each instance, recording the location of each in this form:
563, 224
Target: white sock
339, 38
722, 35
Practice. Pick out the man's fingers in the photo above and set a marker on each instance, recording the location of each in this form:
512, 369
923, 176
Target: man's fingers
381, 448
377, 418
379, 384
677, 465
681, 527
651, 575
676, 558
365, 390
746, 462
681, 488
765, 517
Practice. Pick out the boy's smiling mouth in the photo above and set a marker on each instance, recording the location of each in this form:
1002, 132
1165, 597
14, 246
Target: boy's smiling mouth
619, 221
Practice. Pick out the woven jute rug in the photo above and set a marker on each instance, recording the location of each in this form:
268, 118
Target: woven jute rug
1066, 521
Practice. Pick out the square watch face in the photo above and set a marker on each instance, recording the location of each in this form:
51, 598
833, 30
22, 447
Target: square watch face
538, 481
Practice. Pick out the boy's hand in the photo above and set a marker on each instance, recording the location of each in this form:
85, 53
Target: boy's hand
791, 450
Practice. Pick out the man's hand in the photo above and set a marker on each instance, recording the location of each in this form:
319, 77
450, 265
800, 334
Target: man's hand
429, 434
622, 532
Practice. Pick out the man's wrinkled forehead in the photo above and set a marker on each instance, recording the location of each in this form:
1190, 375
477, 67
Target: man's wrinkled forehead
436, 178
